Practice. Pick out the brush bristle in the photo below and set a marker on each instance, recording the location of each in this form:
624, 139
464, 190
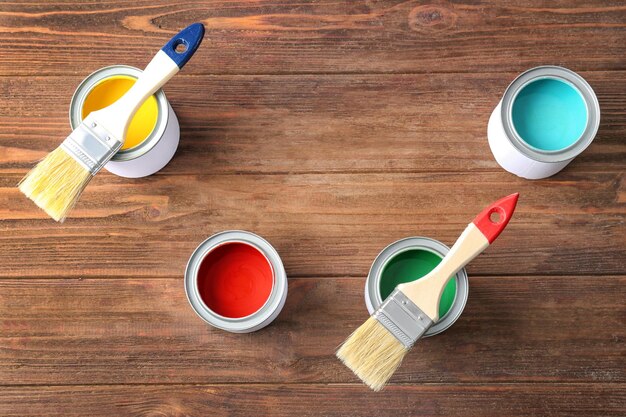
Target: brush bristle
56, 183
372, 353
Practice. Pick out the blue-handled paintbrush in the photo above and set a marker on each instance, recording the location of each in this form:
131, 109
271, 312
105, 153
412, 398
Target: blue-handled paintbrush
58, 180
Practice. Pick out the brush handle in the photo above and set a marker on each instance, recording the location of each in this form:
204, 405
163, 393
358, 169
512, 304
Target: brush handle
477, 236
165, 64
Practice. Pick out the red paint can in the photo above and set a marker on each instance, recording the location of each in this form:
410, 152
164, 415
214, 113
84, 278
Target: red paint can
235, 281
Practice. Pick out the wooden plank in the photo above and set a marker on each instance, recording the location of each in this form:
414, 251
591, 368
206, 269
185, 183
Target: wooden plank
521, 400
135, 331
322, 225
57, 37
321, 126
322, 123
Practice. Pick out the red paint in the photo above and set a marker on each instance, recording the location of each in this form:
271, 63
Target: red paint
235, 280
504, 209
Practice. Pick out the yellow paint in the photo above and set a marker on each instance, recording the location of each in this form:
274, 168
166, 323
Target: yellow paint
108, 91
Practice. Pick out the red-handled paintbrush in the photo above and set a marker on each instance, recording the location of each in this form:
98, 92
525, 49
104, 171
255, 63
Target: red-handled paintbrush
376, 349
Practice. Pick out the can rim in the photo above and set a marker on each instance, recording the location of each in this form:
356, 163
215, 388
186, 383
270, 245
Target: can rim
564, 75
372, 285
89, 82
264, 315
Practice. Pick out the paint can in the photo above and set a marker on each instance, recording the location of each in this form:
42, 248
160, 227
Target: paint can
410, 259
547, 117
153, 134
235, 281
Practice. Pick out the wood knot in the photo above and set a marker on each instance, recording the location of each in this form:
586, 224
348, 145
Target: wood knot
154, 212
431, 18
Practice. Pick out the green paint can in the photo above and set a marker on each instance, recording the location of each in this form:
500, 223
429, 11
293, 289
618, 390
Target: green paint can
408, 260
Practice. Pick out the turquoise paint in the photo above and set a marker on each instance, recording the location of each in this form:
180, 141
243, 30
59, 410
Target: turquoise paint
549, 114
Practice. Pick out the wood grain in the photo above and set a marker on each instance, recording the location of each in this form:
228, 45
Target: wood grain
332, 129
137, 331
328, 225
317, 37
523, 400
313, 124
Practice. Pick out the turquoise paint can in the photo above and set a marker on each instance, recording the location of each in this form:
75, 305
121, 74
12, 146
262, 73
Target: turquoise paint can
547, 117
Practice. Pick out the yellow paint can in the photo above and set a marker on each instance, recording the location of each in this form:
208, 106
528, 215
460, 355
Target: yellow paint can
153, 135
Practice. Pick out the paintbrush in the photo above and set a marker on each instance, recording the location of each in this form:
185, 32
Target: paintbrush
58, 180
375, 350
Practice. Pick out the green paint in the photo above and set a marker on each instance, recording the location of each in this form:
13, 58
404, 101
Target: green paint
549, 114
410, 265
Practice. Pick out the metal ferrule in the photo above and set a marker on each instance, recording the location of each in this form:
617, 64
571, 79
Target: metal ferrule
91, 145
405, 320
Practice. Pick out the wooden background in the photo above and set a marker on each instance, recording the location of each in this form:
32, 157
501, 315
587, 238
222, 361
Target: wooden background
332, 129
